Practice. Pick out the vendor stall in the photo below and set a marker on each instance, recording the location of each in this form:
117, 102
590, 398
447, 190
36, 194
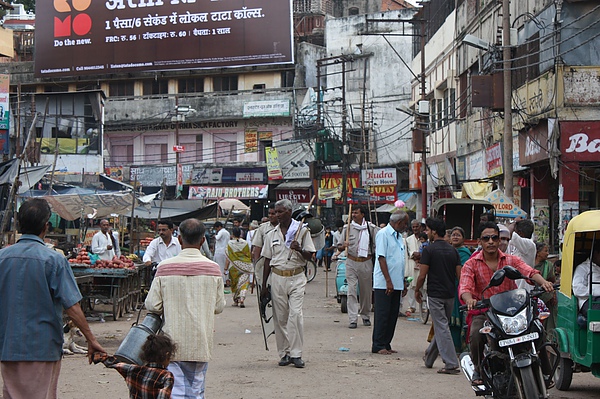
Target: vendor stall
121, 288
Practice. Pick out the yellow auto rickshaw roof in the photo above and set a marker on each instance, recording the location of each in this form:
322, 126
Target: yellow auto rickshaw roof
586, 221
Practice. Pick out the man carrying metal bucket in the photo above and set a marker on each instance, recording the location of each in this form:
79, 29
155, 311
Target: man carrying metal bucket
188, 291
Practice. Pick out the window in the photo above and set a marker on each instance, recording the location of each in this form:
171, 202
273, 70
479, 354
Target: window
156, 86
353, 11
155, 150
193, 148
120, 88
287, 79
225, 148
192, 85
225, 83
259, 88
121, 154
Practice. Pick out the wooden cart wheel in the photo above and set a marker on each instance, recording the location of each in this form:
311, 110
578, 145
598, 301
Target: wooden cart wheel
116, 302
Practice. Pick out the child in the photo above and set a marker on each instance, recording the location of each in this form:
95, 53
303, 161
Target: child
423, 239
152, 380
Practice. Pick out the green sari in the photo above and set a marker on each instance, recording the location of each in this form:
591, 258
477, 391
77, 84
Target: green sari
240, 268
456, 320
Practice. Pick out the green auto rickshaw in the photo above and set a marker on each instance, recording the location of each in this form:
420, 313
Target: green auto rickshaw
578, 337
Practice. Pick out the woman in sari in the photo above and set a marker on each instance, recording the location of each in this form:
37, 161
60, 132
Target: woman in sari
239, 265
546, 269
457, 239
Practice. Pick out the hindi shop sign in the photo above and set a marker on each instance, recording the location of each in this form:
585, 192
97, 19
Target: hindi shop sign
258, 191
266, 108
493, 159
117, 36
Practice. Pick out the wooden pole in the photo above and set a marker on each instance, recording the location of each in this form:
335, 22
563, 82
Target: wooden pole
162, 197
301, 223
131, 226
14, 189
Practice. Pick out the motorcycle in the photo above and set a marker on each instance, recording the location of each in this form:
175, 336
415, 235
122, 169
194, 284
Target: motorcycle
511, 366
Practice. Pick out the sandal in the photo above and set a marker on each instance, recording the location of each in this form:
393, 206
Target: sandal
448, 371
383, 352
476, 380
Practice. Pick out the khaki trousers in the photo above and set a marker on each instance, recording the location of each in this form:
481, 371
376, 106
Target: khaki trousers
287, 294
359, 274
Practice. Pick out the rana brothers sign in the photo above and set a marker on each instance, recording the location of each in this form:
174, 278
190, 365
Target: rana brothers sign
83, 37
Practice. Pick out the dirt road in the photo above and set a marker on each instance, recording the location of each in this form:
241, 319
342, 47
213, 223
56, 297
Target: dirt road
241, 368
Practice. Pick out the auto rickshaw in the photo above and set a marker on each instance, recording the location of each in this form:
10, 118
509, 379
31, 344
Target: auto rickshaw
463, 212
577, 337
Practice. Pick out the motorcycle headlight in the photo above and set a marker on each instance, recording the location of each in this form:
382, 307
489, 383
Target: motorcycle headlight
516, 324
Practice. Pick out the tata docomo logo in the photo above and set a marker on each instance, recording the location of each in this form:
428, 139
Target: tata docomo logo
77, 22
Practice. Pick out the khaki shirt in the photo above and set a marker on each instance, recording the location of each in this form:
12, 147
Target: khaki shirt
274, 248
258, 239
353, 238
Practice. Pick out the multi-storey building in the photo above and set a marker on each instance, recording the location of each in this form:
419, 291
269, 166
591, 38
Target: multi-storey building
554, 107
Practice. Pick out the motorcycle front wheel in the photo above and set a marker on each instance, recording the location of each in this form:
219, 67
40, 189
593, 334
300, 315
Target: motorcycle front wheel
529, 386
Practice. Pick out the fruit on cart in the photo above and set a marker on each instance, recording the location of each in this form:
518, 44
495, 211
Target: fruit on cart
81, 258
134, 258
146, 241
115, 263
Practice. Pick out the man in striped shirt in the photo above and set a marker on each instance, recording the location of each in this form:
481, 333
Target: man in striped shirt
188, 291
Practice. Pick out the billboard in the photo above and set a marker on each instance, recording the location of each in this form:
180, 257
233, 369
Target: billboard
83, 37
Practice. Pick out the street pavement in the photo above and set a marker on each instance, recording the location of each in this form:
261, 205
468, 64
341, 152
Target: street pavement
339, 362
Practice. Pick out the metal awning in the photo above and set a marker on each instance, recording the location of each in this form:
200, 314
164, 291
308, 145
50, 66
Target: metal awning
295, 184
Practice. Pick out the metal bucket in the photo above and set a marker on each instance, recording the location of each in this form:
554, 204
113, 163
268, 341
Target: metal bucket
319, 238
130, 350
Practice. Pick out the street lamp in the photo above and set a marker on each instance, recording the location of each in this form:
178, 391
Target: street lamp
180, 112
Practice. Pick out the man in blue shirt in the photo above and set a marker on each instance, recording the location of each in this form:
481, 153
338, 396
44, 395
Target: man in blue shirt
36, 284
388, 281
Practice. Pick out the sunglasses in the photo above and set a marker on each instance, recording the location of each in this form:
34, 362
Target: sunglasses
494, 238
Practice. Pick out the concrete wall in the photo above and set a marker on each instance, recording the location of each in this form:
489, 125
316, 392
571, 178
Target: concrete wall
387, 86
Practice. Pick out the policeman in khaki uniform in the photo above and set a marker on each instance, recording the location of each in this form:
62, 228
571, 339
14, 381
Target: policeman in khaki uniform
286, 250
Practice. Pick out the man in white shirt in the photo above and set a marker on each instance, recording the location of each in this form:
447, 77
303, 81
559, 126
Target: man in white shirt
581, 281
221, 240
105, 243
521, 245
164, 246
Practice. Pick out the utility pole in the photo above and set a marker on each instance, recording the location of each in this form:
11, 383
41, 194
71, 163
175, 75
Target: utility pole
507, 136
345, 146
423, 136
176, 129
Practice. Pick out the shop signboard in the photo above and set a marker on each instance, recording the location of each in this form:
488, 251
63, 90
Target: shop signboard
533, 145
414, 176
153, 176
250, 140
580, 141
475, 165
266, 108
379, 177
331, 185
493, 160
258, 191
4, 104
297, 195
273, 167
